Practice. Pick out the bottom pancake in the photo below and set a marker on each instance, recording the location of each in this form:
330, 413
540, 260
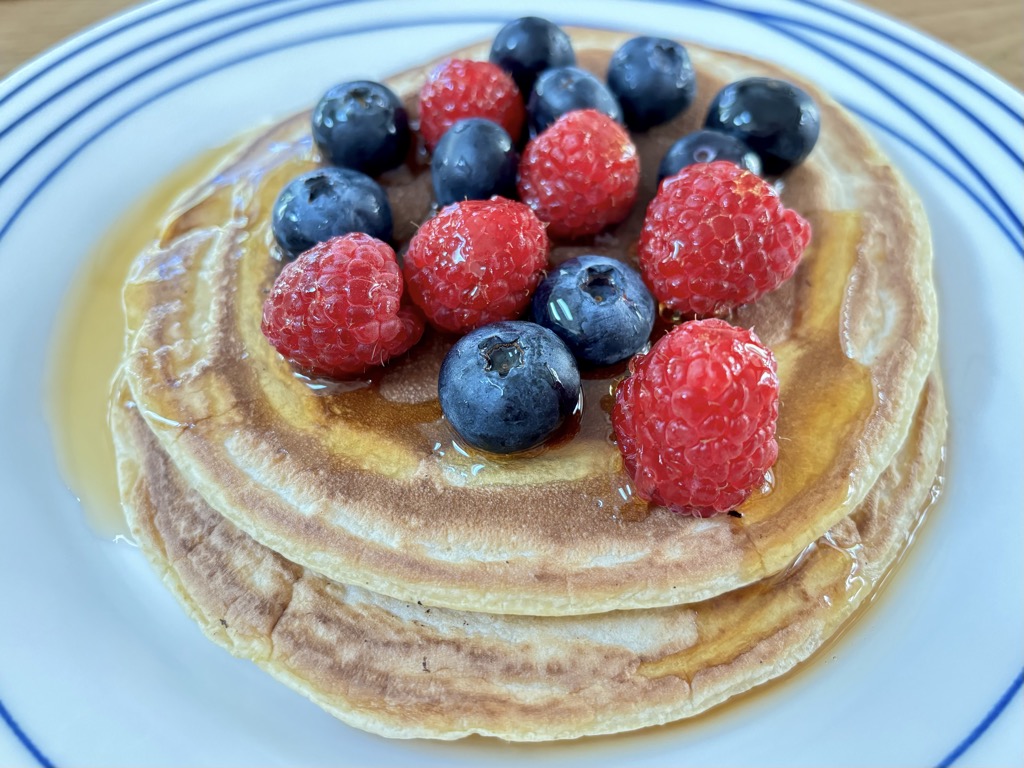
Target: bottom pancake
407, 670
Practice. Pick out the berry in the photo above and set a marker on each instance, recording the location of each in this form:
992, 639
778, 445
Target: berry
328, 202
717, 236
598, 306
695, 421
565, 89
774, 118
508, 386
653, 80
337, 310
581, 175
474, 160
476, 262
706, 146
460, 88
526, 47
362, 125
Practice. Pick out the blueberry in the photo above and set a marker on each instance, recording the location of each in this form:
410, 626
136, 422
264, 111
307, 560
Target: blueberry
362, 125
526, 47
598, 306
508, 386
653, 80
474, 160
565, 89
328, 202
774, 118
706, 146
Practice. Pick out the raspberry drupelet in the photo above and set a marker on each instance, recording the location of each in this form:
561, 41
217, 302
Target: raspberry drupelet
476, 262
460, 89
580, 175
695, 421
336, 311
715, 237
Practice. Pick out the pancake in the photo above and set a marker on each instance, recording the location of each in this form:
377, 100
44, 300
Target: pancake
405, 670
365, 483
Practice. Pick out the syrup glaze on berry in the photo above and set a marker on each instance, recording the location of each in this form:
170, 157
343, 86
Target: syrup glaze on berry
507, 387
405, 390
362, 125
598, 306
526, 47
475, 160
326, 203
653, 80
707, 146
400, 400
566, 89
773, 117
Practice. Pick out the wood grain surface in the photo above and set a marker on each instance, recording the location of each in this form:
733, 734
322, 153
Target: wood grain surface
989, 31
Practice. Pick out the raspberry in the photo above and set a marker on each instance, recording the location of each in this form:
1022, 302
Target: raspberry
695, 421
581, 174
716, 236
460, 88
476, 262
337, 309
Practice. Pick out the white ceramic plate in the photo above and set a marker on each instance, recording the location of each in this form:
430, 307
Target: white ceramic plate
99, 666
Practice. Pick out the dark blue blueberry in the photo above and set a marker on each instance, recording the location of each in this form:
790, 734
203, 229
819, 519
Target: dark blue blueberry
774, 118
565, 89
706, 146
508, 386
653, 80
526, 47
362, 125
598, 306
474, 160
328, 202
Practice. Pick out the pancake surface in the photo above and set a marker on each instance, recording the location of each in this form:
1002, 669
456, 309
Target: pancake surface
363, 481
406, 670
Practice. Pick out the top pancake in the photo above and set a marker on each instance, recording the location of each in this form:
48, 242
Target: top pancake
365, 483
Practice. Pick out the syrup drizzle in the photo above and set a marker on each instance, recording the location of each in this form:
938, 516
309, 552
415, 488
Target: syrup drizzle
86, 352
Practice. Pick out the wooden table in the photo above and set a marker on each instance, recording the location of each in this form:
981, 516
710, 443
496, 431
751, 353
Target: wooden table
989, 31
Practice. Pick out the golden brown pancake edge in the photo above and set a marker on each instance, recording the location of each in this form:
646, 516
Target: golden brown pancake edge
389, 514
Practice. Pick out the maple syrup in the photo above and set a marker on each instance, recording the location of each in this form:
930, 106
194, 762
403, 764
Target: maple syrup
86, 350
89, 342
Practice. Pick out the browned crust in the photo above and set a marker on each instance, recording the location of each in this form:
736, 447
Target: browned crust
406, 670
347, 493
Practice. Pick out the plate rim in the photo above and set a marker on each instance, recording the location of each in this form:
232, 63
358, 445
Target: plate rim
66, 51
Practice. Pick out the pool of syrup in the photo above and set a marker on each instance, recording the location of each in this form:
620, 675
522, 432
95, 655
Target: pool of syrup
89, 342
86, 351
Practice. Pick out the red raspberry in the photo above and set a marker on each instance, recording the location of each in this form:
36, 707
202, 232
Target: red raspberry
460, 88
716, 236
476, 262
337, 309
581, 174
695, 421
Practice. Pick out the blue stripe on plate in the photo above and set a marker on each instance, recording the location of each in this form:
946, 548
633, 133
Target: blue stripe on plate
77, 47
205, 21
836, 12
832, 10
939, 166
22, 737
770, 21
4, 713
896, 65
160, 65
766, 19
990, 718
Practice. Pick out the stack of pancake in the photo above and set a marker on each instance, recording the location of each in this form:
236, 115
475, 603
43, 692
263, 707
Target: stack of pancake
338, 535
